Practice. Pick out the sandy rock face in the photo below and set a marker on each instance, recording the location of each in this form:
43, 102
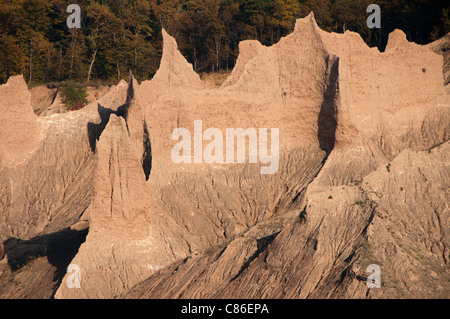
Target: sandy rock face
20, 130
362, 180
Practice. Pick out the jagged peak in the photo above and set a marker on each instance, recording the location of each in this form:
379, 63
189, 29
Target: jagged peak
174, 69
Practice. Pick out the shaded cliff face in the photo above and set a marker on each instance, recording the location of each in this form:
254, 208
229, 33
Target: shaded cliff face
362, 179
47, 99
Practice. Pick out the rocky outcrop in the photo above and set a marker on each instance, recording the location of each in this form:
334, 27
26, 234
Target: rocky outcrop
174, 70
48, 189
20, 131
442, 47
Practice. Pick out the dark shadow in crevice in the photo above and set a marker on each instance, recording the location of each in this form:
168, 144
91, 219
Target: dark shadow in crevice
327, 121
59, 248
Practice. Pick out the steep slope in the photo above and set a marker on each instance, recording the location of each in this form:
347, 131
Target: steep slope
47, 189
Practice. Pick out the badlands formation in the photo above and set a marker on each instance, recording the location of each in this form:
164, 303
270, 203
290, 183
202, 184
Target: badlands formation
363, 179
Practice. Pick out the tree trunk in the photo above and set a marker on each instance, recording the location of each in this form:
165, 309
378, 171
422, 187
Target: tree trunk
31, 59
90, 67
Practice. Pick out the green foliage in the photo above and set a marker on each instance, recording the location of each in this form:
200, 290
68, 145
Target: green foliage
74, 96
122, 35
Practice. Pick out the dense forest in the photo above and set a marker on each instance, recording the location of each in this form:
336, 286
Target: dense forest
121, 35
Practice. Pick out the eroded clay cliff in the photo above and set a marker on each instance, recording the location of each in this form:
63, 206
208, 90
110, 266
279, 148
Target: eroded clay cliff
363, 179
